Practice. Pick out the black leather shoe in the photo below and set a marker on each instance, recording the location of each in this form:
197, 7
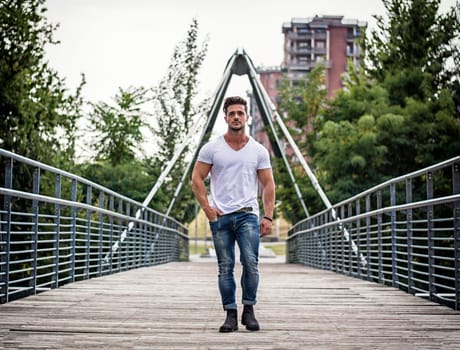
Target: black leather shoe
231, 322
249, 319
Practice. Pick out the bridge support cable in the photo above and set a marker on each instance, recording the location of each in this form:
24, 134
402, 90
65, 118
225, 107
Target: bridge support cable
240, 64
206, 133
210, 122
318, 189
309, 172
262, 104
154, 190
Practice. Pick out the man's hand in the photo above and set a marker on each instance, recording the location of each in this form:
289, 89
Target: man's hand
265, 227
212, 213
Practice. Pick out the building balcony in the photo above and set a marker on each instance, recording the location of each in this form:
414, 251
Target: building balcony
298, 50
306, 66
320, 50
306, 35
297, 36
305, 51
322, 35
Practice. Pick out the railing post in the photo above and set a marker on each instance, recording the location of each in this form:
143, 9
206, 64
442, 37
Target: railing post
110, 252
89, 199
145, 244
119, 233
100, 234
430, 236
342, 239
57, 230
394, 246
368, 238
127, 243
379, 239
350, 240
73, 232
329, 242
456, 212
334, 249
5, 262
35, 190
410, 243
139, 241
358, 237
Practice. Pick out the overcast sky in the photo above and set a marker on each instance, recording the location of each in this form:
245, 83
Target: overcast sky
118, 43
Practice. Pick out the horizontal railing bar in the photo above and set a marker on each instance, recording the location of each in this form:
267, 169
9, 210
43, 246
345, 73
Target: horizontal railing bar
384, 185
31, 196
68, 175
414, 205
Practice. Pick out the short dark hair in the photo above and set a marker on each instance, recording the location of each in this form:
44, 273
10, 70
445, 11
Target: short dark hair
235, 100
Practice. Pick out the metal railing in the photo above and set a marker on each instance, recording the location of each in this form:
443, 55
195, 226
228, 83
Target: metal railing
61, 228
406, 229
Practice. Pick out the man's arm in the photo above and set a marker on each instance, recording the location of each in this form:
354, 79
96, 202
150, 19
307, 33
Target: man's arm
200, 171
268, 199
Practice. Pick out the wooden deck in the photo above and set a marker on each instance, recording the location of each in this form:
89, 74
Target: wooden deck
177, 306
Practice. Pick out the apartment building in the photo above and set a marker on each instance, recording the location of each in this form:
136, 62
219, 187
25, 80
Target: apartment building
329, 40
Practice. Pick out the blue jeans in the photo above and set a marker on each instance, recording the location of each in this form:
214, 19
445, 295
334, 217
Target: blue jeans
244, 229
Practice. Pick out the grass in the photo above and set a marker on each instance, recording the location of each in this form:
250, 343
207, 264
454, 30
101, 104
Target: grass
278, 248
199, 249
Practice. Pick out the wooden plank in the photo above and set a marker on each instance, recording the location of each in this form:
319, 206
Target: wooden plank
177, 306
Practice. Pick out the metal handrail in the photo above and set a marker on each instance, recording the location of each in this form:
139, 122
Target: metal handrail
64, 202
414, 205
413, 245
48, 239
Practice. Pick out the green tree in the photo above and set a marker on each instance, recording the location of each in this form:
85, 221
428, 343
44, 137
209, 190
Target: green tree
410, 49
397, 113
128, 178
37, 114
301, 103
176, 110
119, 128
411, 56
405, 100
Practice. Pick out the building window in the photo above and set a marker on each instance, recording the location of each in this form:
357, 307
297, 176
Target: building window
350, 50
320, 58
320, 44
303, 31
303, 59
304, 45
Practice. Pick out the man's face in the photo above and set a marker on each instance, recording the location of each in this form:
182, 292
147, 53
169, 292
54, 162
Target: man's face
236, 117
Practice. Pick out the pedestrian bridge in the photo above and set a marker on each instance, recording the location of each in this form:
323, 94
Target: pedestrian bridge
84, 267
81, 269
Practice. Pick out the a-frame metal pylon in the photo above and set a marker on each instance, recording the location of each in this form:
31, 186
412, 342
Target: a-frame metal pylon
241, 64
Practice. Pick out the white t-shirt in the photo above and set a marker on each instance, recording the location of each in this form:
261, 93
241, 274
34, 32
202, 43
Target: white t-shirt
234, 182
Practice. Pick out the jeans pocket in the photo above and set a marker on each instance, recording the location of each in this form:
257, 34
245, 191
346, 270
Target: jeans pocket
212, 224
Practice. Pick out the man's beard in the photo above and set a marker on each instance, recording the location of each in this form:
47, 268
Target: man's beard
233, 128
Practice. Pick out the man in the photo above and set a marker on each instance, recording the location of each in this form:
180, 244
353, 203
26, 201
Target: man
237, 164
